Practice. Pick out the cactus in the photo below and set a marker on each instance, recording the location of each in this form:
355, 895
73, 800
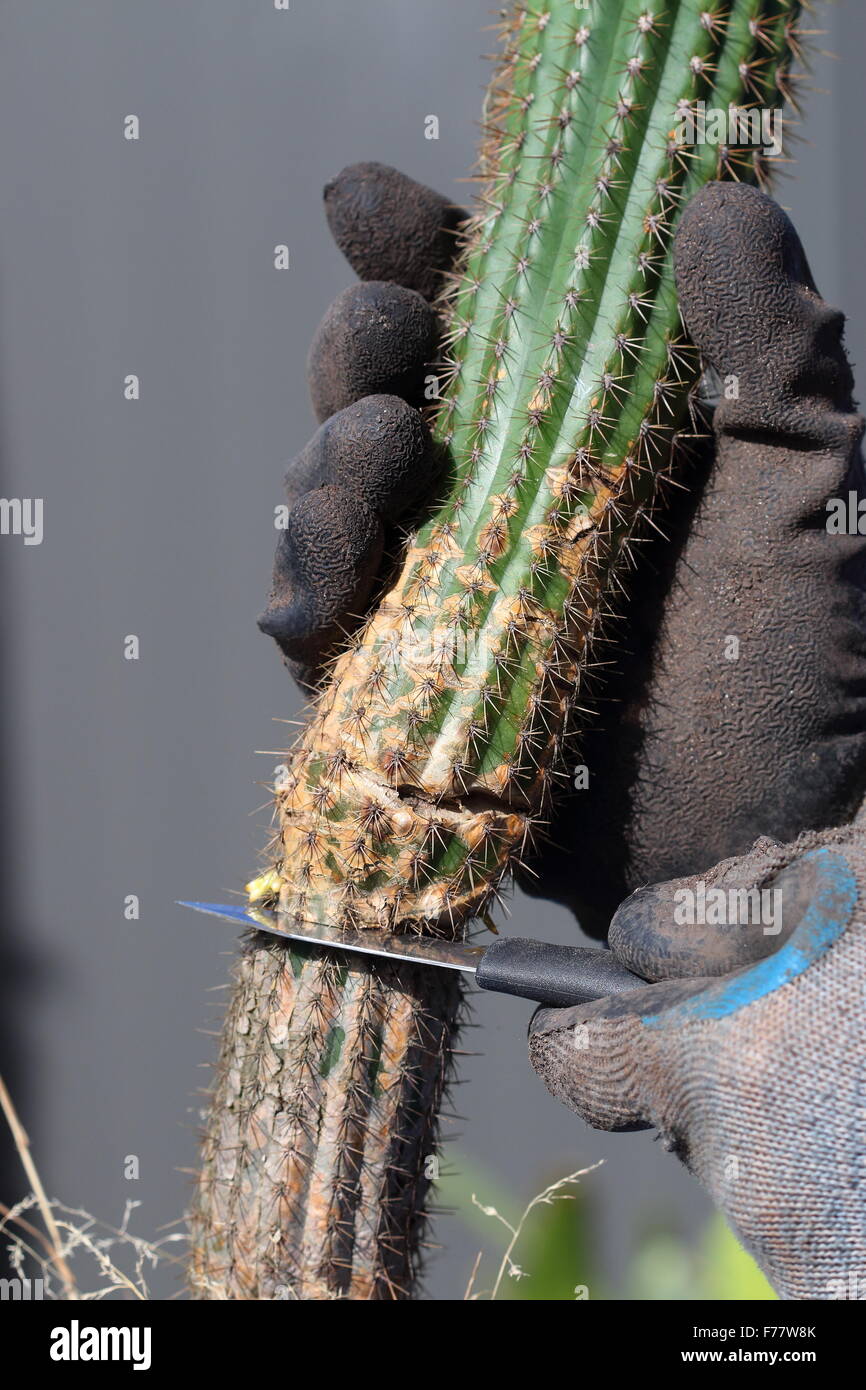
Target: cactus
431, 754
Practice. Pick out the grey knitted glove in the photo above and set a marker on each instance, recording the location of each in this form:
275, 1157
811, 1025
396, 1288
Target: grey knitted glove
755, 1076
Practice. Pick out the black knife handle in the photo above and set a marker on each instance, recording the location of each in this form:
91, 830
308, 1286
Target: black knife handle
556, 975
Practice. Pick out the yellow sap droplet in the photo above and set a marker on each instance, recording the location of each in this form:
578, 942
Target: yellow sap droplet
265, 888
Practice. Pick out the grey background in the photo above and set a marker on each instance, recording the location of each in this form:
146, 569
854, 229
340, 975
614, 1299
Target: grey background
140, 777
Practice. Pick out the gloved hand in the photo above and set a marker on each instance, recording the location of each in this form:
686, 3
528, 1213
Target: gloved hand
755, 1078
735, 705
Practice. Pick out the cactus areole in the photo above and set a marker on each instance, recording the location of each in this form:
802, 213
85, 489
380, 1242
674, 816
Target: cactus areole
432, 751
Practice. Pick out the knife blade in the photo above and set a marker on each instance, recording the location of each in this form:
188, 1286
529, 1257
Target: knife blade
537, 970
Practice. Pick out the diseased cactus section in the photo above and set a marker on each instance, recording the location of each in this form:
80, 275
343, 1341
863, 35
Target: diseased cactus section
430, 754
434, 747
330, 1080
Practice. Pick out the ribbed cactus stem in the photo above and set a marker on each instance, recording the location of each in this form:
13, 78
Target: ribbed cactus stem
330, 1081
431, 754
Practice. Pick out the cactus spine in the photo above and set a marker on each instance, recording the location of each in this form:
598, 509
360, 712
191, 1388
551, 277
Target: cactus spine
431, 753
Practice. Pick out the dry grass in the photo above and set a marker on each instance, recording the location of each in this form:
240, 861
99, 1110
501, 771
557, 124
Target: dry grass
556, 1192
75, 1255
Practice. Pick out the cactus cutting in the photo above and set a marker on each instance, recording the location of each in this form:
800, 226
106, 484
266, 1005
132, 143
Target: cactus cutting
443, 723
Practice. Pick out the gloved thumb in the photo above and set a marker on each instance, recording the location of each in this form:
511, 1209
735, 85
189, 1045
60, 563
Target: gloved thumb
629, 1061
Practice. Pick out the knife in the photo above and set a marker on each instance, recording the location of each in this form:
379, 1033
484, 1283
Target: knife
537, 970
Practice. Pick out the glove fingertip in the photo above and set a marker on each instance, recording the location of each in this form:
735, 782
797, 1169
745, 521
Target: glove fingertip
591, 1064
379, 448
324, 570
391, 228
749, 300
374, 339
